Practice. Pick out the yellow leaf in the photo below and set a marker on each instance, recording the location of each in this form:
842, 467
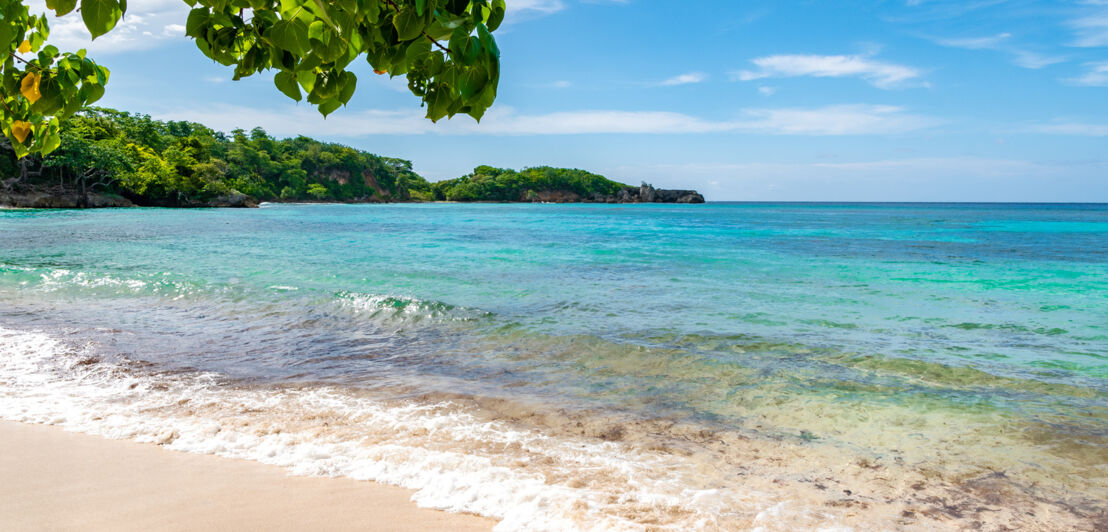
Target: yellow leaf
29, 87
20, 130
25, 47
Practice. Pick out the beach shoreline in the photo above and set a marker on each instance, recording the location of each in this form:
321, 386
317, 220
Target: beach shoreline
60, 480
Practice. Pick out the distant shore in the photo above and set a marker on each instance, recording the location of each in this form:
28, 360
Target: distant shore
70, 199
58, 480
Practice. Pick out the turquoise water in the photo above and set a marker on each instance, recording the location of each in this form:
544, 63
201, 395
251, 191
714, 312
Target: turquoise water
954, 341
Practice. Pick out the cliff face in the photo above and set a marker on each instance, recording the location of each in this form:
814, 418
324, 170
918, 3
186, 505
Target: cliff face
648, 194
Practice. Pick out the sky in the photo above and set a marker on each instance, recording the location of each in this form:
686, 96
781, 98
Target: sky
906, 100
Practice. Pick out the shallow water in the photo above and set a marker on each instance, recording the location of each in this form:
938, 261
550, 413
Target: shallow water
722, 366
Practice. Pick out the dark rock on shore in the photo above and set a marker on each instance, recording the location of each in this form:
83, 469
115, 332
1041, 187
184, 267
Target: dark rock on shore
234, 199
55, 198
647, 194
66, 200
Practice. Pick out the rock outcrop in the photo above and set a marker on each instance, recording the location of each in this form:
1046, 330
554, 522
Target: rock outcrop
32, 199
647, 194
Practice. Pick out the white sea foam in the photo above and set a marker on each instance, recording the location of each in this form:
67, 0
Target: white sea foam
451, 459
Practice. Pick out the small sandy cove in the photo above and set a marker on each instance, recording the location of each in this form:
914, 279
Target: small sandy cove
51, 479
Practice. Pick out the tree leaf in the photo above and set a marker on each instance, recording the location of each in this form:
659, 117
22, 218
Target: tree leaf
497, 15
408, 23
29, 87
61, 7
291, 35
20, 130
286, 83
100, 16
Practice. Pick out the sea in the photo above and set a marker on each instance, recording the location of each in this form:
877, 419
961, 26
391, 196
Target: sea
727, 366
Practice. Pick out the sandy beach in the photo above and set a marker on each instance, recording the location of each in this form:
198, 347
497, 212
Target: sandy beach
58, 480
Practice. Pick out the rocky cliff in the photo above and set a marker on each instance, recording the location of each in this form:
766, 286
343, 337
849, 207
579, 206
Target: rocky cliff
647, 194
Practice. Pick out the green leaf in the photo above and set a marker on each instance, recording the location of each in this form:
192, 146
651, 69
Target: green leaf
7, 35
472, 82
306, 79
349, 83
196, 21
328, 106
497, 16
61, 7
408, 23
50, 143
291, 35
100, 16
286, 83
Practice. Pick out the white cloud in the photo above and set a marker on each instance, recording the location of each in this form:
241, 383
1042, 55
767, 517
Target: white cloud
835, 120
146, 25
685, 79
1001, 43
767, 91
537, 6
1071, 128
1091, 31
1034, 60
301, 120
991, 42
879, 74
1096, 75
174, 30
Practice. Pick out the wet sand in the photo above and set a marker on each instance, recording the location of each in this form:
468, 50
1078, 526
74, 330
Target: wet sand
58, 480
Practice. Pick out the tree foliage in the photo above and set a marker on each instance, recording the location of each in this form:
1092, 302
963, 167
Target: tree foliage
445, 49
498, 184
153, 162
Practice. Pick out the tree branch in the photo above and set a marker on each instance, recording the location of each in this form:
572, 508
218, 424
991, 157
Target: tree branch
396, 9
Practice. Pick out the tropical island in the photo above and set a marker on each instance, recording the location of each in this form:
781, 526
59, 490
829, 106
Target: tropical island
110, 158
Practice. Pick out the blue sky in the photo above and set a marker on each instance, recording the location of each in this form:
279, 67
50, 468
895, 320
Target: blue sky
917, 100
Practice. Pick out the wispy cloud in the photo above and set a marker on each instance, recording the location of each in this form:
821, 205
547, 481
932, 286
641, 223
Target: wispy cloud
1091, 30
1096, 75
857, 119
835, 120
685, 79
1002, 42
879, 74
1071, 128
991, 42
536, 6
146, 25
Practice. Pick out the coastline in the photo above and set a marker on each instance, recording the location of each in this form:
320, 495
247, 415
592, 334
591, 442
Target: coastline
58, 480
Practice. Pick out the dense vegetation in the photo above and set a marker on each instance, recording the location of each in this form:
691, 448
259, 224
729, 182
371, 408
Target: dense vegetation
152, 162
180, 164
498, 184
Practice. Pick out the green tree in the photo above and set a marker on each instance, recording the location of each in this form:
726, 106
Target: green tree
317, 190
444, 48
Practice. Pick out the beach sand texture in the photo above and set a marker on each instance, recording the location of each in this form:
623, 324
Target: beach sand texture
58, 480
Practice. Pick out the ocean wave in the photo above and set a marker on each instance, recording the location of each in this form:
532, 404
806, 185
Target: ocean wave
406, 308
328, 431
618, 474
